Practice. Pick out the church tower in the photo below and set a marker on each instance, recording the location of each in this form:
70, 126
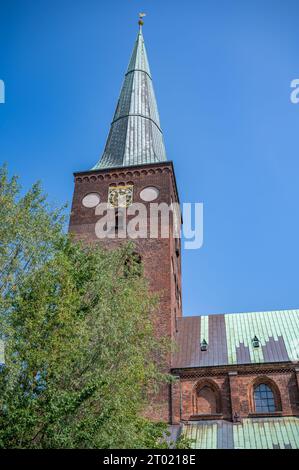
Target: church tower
134, 168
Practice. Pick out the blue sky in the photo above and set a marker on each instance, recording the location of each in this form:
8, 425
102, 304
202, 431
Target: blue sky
222, 73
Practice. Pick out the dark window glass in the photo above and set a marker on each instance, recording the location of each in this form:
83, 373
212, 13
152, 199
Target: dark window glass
264, 399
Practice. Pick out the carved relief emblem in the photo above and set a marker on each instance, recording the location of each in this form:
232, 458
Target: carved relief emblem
120, 196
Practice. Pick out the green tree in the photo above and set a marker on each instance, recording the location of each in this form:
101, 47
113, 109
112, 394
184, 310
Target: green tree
79, 344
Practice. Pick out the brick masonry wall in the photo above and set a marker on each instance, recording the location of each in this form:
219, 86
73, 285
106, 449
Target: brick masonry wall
161, 257
236, 390
188, 387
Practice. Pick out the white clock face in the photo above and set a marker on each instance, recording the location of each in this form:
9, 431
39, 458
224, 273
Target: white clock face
149, 194
91, 200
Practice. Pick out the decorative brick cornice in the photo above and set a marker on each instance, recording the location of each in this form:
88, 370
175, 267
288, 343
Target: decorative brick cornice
253, 369
127, 173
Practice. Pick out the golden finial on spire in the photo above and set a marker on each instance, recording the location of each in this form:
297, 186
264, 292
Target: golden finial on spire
141, 22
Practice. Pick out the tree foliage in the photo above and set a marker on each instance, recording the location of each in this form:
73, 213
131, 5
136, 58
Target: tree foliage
79, 344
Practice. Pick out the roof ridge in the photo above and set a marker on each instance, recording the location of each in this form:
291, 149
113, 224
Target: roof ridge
242, 313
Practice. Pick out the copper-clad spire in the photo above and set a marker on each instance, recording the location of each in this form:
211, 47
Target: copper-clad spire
135, 135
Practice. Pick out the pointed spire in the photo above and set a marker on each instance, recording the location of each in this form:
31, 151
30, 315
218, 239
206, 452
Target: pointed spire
135, 135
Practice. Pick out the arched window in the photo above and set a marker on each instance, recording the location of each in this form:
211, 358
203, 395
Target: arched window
207, 400
264, 400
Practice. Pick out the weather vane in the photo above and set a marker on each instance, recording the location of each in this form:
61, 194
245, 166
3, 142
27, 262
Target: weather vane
141, 22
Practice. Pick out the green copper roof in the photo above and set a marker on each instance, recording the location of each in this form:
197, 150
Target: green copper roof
230, 339
251, 433
135, 135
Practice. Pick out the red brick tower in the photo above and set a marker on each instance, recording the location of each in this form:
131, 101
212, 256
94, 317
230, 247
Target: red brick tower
134, 165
